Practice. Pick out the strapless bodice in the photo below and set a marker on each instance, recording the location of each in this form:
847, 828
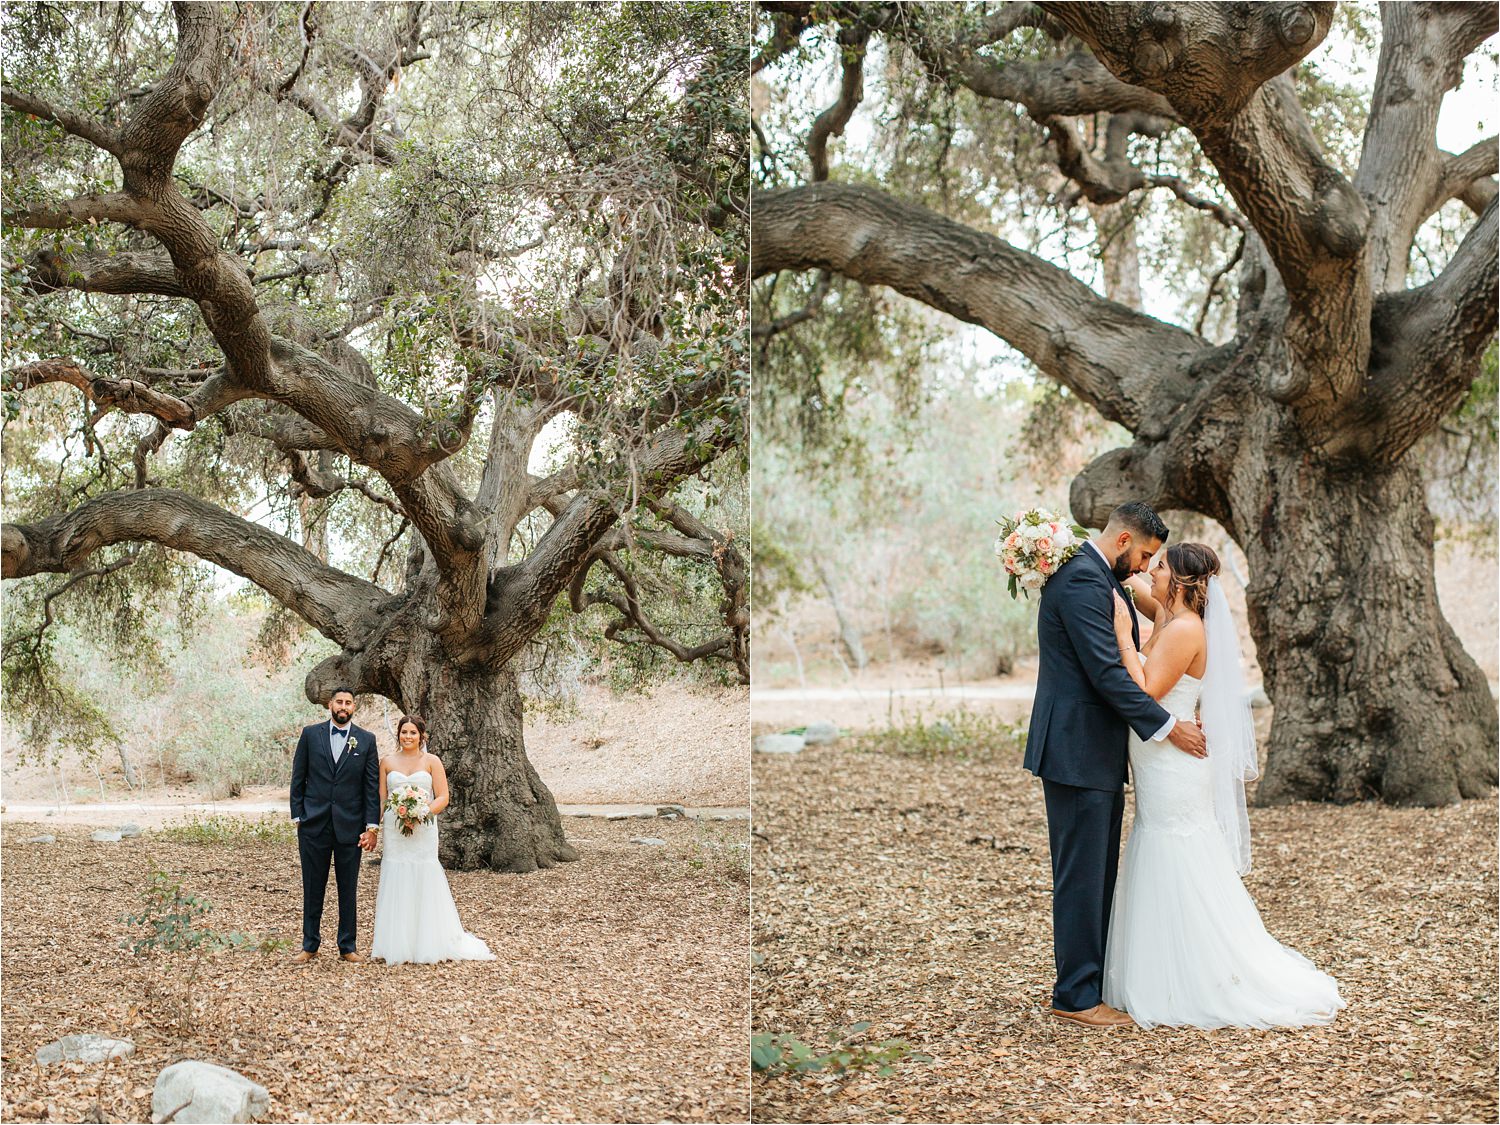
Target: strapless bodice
422, 779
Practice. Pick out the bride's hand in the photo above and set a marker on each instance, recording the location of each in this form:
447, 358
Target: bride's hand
1123, 621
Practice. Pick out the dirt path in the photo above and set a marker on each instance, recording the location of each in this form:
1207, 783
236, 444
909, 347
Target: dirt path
682, 744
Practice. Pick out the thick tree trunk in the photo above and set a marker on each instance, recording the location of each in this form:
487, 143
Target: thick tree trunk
501, 816
1375, 697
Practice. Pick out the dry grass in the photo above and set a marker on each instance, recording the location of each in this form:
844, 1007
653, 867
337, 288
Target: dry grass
619, 993
916, 894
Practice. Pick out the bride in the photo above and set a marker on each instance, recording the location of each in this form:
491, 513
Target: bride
415, 919
1186, 945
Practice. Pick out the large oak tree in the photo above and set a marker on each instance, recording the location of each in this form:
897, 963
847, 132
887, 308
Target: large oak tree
1296, 431
359, 260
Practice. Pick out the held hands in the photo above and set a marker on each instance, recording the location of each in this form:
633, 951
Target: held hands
367, 839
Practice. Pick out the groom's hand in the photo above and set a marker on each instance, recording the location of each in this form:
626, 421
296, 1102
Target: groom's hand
367, 840
1188, 737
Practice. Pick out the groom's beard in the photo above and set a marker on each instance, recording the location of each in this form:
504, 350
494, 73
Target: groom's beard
1121, 567
341, 717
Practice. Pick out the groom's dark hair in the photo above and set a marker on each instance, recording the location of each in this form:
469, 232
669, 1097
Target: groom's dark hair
1139, 518
341, 688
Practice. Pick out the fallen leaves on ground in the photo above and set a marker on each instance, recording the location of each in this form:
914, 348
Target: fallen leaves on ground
917, 895
619, 992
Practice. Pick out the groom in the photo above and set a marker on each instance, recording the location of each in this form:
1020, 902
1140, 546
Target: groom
1086, 705
335, 790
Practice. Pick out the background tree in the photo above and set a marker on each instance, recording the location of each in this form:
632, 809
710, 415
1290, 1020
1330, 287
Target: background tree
452, 293
1290, 413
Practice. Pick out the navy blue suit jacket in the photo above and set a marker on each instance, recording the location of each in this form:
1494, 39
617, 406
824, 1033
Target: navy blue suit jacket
345, 797
1086, 703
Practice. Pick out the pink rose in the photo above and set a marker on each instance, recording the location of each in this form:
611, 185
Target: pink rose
1044, 565
1044, 544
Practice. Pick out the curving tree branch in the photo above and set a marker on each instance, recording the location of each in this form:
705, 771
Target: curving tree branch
1090, 345
127, 395
334, 603
96, 132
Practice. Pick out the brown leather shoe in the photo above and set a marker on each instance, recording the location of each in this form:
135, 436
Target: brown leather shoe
353, 958
304, 957
1100, 1015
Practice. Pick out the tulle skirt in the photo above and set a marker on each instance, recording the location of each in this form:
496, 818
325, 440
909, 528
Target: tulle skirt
1187, 947
415, 918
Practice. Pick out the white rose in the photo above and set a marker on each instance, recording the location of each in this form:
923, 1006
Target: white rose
1032, 580
1033, 532
1063, 538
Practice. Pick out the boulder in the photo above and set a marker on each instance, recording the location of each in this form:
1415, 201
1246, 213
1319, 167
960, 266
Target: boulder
780, 743
128, 831
651, 840
106, 836
206, 1094
41, 839
88, 1048
817, 734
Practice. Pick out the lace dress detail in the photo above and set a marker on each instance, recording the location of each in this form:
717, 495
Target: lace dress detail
1186, 945
415, 918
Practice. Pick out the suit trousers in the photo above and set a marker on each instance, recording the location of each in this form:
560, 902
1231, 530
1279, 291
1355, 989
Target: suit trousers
316, 847
1083, 831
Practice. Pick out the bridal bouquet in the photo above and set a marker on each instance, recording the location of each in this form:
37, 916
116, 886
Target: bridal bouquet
1033, 544
409, 803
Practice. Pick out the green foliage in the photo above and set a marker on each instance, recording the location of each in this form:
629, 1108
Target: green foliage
169, 921
549, 163
221, 828
906, 531
959, 734
719, 853
779, 1053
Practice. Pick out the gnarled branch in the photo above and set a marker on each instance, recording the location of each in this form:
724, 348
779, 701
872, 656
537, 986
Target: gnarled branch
1090, 345
332, 602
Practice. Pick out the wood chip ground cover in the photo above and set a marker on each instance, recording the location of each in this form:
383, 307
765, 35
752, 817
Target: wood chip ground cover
619, 993
917, 895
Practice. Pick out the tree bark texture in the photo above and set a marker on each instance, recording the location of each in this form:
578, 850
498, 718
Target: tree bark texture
1297, 435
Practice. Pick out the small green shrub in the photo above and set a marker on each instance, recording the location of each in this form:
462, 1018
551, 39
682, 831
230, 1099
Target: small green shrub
959, 734
169, 918
719, 852
779, 1053
220, 828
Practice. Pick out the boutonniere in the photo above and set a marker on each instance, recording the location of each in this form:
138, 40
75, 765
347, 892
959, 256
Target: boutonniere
1129, 592
353, 743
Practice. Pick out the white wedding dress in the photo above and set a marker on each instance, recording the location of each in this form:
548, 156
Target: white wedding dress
415, 919
1186, 945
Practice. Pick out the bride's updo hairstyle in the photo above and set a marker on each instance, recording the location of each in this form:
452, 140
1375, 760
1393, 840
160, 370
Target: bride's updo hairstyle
414, 720
1192, 565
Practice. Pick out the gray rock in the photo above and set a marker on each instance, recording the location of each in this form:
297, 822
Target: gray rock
88, 1048
1259, 698
650, 840
42, 840
819, 733
105, 836
671, 812
943, 729
631, 816
207, 1095
780, 743
129, 831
